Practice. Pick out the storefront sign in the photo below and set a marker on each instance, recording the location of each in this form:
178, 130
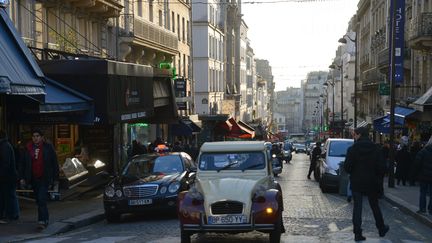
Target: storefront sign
180, 87
181, 105
131, 116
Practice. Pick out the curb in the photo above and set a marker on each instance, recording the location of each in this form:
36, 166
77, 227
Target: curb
66, 225
408, 209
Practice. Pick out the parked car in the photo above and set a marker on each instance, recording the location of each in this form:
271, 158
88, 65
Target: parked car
334, 154
148, 182
300, 147
234, 192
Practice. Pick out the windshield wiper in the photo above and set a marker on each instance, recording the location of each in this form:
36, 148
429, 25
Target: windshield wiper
251, 166
228, 166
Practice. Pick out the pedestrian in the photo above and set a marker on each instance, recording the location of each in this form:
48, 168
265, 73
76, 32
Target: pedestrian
9, 209
316, 153
423, 172
403, 161
366, 166
41, 170
415, 148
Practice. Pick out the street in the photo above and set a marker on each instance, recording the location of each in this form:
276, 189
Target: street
309, 216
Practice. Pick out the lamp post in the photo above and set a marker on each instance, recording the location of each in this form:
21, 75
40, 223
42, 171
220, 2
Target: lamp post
333, 98
334, 66
344, 41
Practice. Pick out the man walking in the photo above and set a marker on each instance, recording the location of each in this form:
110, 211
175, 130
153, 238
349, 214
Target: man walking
41, 170
423, 172
316, 153
366, 166
9, 209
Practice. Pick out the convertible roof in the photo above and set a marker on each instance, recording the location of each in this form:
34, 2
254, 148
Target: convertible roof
233, 146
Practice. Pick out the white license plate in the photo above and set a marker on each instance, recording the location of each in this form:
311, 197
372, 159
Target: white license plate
227, 219
140, 202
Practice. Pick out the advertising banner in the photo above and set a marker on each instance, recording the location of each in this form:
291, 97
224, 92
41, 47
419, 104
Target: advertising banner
398, 36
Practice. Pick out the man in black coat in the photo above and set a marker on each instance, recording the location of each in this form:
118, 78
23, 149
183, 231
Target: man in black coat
423, 172
316, 153
9, 209
366, 166
41, 170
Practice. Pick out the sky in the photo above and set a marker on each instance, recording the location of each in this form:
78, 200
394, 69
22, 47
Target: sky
296, 36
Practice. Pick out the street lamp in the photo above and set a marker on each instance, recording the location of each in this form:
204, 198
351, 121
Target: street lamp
344, 41
333, 99
334, 66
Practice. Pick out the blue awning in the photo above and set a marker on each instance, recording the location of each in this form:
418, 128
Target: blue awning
185, 127
19, 72
400, 114
60, 98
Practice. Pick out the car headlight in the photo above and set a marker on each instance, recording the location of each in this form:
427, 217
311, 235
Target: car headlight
119, 193
109, 191
163, 189
173, 187
195, 194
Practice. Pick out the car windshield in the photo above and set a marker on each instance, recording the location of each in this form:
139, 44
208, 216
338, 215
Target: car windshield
339, 148
144, 166
287, 146
232, 161
299, 145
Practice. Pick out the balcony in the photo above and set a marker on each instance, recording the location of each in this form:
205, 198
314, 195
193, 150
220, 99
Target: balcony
103, 8
420, 36
147, 34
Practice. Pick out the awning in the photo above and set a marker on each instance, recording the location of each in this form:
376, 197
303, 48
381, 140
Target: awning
360, 124
400, 114
424, 100
19, 72
60, 98
62, 105
239, 130
185, 127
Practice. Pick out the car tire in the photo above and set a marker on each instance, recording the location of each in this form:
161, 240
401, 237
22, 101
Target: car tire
185, 237
323, 187
275, 235
112, 217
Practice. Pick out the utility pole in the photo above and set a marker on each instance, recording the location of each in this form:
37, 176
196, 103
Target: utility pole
391, 179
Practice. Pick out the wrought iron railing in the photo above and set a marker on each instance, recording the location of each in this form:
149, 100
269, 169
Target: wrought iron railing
421, 25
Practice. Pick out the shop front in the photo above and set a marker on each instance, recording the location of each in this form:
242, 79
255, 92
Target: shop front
424, 106
124, 95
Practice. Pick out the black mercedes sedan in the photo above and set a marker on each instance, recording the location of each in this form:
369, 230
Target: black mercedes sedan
149, 182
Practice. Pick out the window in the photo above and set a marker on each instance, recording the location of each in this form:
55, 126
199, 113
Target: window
178, 26
151, 10
173, 22
139, 8
183, 30
160, 18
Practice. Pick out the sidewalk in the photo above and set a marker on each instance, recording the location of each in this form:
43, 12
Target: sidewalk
406, 198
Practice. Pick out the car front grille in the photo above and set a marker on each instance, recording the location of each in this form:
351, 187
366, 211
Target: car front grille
227, 207
140, 191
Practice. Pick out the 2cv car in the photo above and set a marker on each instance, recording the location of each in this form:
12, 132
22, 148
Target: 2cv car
234, 191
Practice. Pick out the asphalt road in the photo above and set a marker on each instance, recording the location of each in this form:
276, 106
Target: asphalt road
309, 216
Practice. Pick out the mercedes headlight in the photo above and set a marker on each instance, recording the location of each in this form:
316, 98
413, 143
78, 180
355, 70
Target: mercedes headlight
119, 193
109, 191
173, 187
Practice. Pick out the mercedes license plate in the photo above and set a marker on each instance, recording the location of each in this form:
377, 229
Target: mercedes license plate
140, 202
227, 219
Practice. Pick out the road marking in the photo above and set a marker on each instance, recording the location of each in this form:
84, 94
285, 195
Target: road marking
333, 227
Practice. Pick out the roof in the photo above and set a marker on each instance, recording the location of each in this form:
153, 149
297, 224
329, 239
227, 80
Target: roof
233, 146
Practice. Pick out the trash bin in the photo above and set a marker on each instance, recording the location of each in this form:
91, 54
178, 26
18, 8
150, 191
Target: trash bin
343, 179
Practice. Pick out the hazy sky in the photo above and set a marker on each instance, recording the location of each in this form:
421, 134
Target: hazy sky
296, 37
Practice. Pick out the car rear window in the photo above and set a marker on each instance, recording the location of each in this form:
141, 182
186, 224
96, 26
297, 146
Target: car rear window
339, 148
140, 168
232, 161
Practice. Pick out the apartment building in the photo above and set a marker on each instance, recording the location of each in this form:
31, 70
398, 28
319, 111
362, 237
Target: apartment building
208, 57
289, 103
312, 89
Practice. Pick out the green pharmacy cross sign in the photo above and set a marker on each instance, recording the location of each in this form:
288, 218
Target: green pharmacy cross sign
167, 65
384, 89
